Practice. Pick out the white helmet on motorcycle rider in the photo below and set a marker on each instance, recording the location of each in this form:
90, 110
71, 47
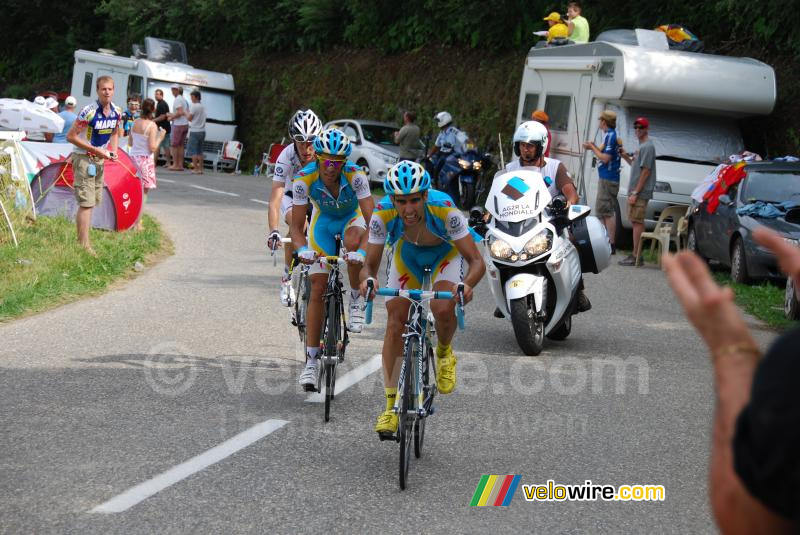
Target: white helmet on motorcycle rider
443, 119
531, 132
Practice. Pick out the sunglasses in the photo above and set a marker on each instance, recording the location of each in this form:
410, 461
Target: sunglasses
638, 127
302, 138
336, 164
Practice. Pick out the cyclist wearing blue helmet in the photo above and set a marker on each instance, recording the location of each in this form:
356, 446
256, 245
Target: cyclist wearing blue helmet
423, 227
341, 204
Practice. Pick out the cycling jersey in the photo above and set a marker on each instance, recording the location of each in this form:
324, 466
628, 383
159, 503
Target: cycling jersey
286, 166
407, 261
99, 127
330, 215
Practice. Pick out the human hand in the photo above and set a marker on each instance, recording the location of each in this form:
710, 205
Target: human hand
306, 255
788, 255
467, 293
274, 240
708, 306
588, 145
632, 199
355, 257
364, 288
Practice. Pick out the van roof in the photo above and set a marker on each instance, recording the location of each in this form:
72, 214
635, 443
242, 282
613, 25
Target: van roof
671, 78
169, 72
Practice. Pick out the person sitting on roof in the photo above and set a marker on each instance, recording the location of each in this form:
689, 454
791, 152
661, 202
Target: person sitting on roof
558, 30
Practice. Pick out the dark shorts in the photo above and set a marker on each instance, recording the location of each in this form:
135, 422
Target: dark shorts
195, 145
606, 198
178, 135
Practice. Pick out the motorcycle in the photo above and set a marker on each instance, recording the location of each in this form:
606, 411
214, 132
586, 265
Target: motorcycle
535, 270
461, 175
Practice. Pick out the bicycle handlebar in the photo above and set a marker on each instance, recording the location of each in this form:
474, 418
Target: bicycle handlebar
414, 295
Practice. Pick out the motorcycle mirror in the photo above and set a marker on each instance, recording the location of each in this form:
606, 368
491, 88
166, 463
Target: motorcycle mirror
559, 204
477, 213
578, 211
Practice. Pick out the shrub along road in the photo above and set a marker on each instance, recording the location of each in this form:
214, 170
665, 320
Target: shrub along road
181, 385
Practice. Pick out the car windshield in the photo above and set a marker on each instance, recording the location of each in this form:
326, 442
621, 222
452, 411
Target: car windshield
772, 187
382, 135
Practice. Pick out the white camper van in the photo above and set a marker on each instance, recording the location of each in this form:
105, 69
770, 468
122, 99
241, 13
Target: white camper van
159, 65
692, 101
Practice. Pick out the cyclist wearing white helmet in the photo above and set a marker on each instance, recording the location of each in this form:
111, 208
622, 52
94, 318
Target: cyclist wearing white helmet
530, 145
304, 127
341, 204
423, 227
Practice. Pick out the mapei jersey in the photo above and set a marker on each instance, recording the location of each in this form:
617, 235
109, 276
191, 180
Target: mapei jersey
442, 218
353, 186
99, 127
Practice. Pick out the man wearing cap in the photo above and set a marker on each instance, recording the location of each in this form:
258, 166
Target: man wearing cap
541, 117
51, 104
608, 171
642, 184
69, 117
95, 134
558, 30
180, 126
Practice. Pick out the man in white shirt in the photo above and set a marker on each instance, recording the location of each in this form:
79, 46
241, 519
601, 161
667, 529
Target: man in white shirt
197, 132
180, 126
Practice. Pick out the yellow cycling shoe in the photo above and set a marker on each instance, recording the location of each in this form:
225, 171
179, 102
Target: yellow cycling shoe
387, 422
446, 370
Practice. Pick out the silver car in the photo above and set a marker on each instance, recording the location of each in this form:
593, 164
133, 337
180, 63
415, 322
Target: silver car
374, 148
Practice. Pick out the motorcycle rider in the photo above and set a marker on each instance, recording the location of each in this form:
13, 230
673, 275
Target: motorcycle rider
530, 145
450, 139
422, 227
304, 127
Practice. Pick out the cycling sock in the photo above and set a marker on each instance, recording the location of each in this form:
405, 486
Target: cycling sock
354, 293
313, 354
391, 393
441, 350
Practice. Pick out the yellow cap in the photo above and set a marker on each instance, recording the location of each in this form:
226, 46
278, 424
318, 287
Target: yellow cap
554, 16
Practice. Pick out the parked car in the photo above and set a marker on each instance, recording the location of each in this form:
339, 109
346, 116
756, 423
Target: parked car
726, 236
374, 148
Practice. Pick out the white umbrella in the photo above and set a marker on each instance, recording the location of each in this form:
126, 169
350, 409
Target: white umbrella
25, 115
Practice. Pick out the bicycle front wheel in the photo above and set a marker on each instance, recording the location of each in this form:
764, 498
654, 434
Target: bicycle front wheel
330, 355
428, 393
405, 426
300, 305
329, 370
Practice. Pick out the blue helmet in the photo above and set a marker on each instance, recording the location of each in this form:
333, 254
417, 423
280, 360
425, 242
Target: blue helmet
405, 178
333, 142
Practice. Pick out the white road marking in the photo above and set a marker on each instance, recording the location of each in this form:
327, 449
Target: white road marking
214, 190
259, 201
168, 181
349, 379
131, 497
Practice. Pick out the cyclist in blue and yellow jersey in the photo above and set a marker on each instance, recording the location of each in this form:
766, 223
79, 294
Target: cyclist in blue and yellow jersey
304, 126
341, 204
423, 227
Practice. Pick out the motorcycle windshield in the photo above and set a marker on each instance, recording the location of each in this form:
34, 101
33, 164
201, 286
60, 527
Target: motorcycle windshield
517, 196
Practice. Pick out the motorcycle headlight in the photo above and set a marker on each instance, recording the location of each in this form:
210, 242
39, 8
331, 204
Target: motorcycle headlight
476, 165
464, 164
539, 244
501, 250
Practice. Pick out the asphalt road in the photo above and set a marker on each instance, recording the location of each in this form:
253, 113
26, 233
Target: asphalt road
170, 405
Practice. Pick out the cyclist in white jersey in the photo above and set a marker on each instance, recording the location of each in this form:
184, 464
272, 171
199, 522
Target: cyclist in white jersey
530, 144
304, 127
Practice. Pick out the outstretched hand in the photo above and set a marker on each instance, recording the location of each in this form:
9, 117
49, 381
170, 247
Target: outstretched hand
708, 306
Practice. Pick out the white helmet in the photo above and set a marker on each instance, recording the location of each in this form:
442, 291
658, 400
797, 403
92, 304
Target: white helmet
531, 132
304, 126
443, 118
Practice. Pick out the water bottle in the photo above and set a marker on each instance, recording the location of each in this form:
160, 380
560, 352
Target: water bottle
255, 171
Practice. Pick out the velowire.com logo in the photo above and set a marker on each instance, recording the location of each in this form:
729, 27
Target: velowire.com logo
495, 490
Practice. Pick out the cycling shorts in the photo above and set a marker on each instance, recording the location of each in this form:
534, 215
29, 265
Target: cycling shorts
406, 266
286, 205
322, 234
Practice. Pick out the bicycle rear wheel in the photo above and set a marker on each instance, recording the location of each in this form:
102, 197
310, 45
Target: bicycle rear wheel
427, 397
405, 426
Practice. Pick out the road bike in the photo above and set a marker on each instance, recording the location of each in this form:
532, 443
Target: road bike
334, 327
416, 387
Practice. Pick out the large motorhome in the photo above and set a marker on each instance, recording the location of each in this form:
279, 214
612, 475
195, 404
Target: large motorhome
158, 65
692, 101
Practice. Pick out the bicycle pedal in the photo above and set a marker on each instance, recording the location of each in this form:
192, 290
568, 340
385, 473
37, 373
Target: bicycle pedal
309, 388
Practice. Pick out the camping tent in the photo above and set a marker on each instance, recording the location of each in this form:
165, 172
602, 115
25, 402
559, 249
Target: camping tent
120, 207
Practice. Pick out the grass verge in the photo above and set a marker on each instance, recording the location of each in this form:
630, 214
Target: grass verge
49, 268
763, 300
